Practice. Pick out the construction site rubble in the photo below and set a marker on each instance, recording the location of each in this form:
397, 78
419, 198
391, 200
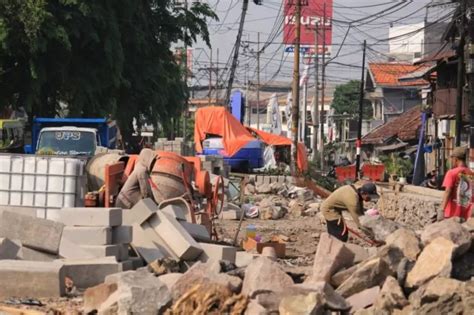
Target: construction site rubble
149, 260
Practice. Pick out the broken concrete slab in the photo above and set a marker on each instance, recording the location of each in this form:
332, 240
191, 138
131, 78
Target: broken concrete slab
91, 216
310, 303
100, 251
369, 274
363, 299
139, 212
380, 226
434, 261
170, 279
138, 292
20, 278
217, 252
331, 256
407, 241
230, 215
391, 297
8, 249
168, 228
360, 253
255, 308
88, 235
158, 241
70, 250
90, 272
341, 276
205, 274
26, 253
95, 296
122, 234
40, 234
197, 231
263, 274
451, 230
243, 259
144, 246
330, 298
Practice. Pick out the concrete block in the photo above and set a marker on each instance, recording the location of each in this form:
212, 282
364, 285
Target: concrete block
140, 212
90, 272
158, 241
147, 249
8, 249
70, 250
31, 279
122, 252
281, 179
231, 215
127, 265
31, 212
35, 233
88, 235
91, 216
177, 212
100, 251
217, 252
26, 253
137, 262
197, 231
122, 234
176, 237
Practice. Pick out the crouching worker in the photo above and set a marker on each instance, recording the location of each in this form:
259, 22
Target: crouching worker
138, 186
346, 198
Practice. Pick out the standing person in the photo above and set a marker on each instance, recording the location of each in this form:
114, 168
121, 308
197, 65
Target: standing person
457, 200
346, 198
138, 186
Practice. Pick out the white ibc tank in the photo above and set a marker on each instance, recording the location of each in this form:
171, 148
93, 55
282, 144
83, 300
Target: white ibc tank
42, 183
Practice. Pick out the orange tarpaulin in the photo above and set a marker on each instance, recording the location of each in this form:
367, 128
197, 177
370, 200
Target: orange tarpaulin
272, 139
216, 120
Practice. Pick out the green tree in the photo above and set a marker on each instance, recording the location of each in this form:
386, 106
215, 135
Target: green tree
346, 100
104, 57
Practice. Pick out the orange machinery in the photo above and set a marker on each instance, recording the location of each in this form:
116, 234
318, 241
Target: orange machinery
171, 182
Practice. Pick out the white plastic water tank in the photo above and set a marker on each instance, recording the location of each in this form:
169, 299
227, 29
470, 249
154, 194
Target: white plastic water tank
42, 183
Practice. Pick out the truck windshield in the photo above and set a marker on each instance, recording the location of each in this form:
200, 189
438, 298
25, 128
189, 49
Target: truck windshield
67, 143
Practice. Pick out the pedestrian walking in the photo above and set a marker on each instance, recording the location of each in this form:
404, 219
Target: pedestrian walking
346, 198
457, 199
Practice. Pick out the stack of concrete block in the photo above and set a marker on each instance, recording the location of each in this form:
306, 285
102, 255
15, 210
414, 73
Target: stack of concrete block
215, 164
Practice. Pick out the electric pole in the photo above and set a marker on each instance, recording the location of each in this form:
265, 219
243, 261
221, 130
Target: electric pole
210, 79
461, 74
361, 113
245, 6
185, 61
258, 80
296, 89
323, 90
315, 109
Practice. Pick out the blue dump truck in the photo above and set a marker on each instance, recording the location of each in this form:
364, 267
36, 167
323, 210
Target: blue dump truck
71, 136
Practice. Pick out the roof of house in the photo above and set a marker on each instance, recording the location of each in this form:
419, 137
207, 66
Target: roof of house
389, 74
405, 127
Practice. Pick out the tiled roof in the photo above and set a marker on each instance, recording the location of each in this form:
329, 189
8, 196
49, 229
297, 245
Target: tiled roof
388, 74
405, 127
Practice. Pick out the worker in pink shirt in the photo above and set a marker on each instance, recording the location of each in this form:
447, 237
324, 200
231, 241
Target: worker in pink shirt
457, 199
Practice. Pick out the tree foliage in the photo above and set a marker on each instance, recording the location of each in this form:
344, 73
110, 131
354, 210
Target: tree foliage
100, 57
346, 100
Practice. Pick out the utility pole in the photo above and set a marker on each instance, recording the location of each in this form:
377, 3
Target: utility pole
258, 80
296, 91
461, 74
323, 90
185, 61
315, 109
303, 110
245, 6
216, 86
210, 78
470, 78
247, 97
361, 113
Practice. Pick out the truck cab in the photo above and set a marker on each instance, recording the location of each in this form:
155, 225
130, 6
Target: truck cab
71, 141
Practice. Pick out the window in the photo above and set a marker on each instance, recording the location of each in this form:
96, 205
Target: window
262, 110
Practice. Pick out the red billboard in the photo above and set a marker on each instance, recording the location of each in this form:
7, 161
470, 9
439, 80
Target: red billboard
313, 12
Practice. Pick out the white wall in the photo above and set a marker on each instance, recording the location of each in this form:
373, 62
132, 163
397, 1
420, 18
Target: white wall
411, 43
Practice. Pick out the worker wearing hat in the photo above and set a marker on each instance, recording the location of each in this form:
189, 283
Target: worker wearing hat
458, 191
346, 198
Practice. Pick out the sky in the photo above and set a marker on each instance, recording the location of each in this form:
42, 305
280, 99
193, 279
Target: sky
278, 66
